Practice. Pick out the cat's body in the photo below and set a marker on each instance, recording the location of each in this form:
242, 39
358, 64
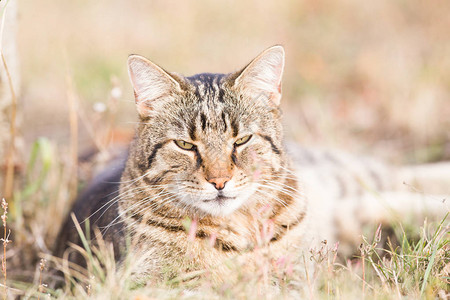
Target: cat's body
208, 178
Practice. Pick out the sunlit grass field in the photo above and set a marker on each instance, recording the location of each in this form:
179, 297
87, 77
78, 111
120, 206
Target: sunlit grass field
366, 77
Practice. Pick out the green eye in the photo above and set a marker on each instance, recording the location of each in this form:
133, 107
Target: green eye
185, 145
242, 140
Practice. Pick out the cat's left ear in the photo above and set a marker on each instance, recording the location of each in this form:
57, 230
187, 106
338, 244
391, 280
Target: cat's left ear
152, 85
261, 78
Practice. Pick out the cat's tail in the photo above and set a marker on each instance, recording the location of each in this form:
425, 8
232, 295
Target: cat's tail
416, 191
433, 178
420, 193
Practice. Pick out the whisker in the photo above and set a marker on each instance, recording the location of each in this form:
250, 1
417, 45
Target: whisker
286, 186
279, 201
109, 204
138, 204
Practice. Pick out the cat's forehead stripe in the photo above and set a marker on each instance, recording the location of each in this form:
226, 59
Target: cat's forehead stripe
211, 111
224, 121
208, 86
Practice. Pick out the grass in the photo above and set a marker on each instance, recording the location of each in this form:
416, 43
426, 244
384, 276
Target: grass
5, 240
10, 153
418, 269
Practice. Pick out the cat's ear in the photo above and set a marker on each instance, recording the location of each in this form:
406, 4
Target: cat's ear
261, 78
150, 83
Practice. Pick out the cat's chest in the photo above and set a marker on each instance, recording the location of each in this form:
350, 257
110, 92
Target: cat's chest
202, 246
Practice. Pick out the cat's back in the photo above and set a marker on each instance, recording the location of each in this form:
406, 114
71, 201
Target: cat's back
96, 206
339, 173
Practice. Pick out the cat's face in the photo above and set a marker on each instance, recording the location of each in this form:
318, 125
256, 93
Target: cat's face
207, 143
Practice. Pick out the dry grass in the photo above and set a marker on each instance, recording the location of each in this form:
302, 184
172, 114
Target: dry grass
10, 153
377, 71
5, 240
415, 270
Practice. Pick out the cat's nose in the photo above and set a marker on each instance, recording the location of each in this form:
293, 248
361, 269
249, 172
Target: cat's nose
219, 182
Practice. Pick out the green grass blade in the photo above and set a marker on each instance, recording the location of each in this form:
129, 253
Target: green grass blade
428, 270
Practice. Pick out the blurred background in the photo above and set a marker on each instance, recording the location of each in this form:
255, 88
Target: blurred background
371, 77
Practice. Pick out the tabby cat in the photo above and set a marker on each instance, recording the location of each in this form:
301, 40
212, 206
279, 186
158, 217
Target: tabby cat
208, 177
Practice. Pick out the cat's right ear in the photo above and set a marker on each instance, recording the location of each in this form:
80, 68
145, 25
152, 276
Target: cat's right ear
151, 84
261, 78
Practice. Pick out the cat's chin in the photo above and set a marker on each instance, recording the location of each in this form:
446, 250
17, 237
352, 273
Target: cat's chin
220, 206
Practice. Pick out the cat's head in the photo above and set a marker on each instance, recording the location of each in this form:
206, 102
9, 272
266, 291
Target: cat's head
207, 143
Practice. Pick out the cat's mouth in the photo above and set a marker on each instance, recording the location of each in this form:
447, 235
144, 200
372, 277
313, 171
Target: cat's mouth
220, 199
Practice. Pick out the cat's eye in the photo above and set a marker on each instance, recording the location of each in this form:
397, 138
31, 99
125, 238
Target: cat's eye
242, 140
185, 145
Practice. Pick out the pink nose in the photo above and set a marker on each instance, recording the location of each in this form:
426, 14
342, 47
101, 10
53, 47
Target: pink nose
219, 182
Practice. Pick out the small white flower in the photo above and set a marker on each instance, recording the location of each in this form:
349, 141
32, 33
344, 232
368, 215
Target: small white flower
99, 107
116, 92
